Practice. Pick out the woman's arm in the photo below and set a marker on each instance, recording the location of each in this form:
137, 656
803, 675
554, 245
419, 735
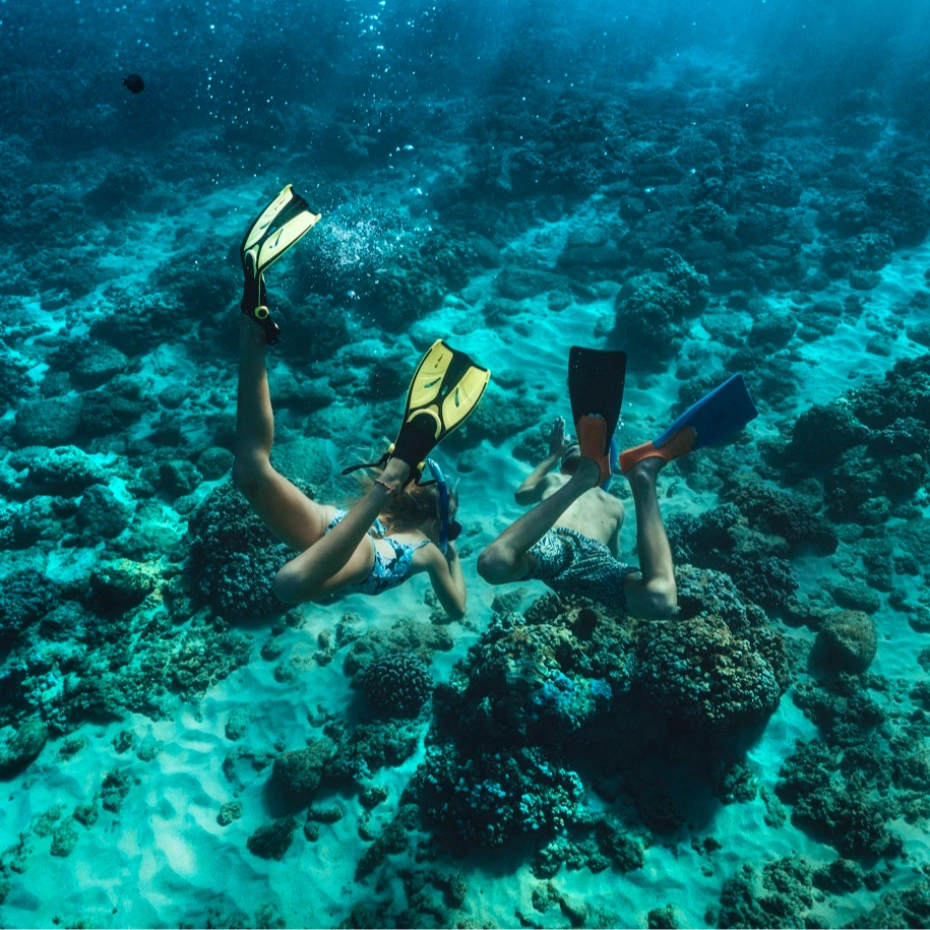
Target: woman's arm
445, 573
329, 564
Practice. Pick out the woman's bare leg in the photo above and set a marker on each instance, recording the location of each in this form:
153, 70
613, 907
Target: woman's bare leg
340, 557
287, 512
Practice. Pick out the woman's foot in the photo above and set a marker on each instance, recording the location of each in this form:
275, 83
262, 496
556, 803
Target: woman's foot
396, 474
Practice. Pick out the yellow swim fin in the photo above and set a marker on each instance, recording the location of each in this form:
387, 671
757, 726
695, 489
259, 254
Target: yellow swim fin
277, 228
445, 389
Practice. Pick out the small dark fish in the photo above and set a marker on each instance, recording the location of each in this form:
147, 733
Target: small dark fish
134, 83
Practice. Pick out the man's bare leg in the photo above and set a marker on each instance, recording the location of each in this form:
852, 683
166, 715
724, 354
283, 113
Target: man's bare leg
655, 594
286, 511
507, 558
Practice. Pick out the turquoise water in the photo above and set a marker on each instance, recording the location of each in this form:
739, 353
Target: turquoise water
711, 188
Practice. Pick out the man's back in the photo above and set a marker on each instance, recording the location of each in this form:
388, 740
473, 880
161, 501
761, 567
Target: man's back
595, 514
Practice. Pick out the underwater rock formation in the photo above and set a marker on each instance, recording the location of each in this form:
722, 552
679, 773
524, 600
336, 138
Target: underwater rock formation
234, 557
867, 767
721, 539
567, 675
869, 447
21, 746
651, 310
780, 894
300, 772
696, 671
848, 641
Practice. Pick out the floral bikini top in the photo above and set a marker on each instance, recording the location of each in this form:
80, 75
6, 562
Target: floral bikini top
386, 572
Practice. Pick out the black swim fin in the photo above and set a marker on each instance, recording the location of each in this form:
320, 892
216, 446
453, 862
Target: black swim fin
595, 387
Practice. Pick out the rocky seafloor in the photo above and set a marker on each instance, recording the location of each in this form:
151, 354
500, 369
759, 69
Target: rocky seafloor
179, 749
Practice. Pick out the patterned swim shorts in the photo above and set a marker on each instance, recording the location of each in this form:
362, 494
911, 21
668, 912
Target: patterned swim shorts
571, 563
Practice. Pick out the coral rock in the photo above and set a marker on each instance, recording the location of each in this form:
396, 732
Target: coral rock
848, 641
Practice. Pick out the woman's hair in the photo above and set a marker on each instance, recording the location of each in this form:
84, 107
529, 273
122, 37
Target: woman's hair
415, 505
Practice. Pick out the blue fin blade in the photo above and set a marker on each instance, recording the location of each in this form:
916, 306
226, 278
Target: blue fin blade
723, 412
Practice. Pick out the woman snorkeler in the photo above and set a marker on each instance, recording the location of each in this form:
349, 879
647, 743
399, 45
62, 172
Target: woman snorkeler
401, 527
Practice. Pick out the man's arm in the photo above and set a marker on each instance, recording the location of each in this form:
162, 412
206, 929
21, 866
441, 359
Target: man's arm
535, 485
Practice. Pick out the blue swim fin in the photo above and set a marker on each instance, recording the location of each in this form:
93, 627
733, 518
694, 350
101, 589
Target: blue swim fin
723, 412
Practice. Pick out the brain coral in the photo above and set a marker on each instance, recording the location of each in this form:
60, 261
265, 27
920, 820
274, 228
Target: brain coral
397, 685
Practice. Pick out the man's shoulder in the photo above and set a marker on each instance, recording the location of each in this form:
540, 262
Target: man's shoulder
552, 482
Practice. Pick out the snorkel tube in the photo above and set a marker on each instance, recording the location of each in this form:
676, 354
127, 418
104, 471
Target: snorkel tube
443, 489
614, 452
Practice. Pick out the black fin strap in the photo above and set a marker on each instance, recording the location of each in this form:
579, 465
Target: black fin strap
379, 464
415, 473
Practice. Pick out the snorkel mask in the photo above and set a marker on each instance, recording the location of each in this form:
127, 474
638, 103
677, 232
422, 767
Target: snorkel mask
449, 530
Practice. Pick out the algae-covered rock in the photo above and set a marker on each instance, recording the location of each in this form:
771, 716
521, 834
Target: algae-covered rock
848, 641
65, 470
179, 477
48, 422
122, 584
300, 772
272, 840
304, 460
21, 746
214, 462
780, 894
203, 656
393, 839
822, 433
501, 417
25, 597
39, 519
101, 515
909, 907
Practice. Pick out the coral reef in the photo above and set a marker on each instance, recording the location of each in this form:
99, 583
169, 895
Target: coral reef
632, 184
396, 685
698, 672
234, 557
569, 675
